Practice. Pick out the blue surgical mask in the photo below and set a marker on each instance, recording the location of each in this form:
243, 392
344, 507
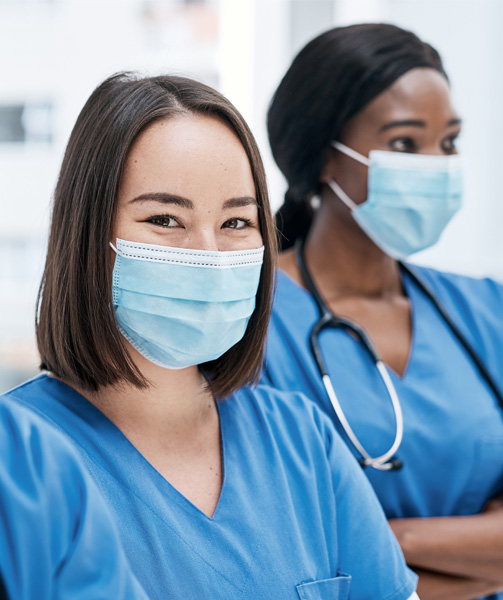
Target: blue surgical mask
181, 307
410, 198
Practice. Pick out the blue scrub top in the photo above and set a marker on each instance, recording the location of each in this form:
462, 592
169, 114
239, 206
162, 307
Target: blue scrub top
57, 536
296, 518
452, 449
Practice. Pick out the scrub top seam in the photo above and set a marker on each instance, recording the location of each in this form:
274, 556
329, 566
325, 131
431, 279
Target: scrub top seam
243, 590
103, 468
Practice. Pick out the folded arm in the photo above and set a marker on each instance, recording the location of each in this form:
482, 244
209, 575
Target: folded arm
466, 546
438, 586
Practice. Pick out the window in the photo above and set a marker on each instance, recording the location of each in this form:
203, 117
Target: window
29, 122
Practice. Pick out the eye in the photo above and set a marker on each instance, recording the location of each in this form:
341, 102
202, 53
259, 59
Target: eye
449, 144
164, 221
236, 223
402, 144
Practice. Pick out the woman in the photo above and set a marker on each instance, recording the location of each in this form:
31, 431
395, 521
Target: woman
363, 127
153, 312
58, 541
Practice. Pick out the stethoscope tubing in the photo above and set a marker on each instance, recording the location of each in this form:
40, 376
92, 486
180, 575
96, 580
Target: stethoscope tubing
329, 319
482, 369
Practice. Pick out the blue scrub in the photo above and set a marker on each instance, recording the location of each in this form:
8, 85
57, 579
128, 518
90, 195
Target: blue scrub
296, 518
452, 449
57, 537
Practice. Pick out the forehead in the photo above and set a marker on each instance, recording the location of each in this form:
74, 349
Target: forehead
186, 151
421, 93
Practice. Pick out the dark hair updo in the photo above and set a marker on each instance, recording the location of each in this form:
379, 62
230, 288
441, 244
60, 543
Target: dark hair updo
331, 79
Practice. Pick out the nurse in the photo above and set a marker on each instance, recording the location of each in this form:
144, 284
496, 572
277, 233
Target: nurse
364, 129
152, 316
58, 540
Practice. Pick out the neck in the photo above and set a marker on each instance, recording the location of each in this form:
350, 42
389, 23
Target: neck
176, 402
345, 262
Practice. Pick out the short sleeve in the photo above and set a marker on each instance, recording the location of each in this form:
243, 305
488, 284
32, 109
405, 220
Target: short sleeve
368, 547
58, 539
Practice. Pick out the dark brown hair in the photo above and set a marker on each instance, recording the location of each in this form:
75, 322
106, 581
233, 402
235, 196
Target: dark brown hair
332, 79
77, 333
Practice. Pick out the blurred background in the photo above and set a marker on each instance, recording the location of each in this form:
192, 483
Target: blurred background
53, 53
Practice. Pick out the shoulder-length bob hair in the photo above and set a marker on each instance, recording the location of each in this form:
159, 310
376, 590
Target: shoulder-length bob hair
77, 333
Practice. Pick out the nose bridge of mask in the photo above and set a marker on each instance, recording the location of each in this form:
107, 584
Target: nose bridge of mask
415, 174
416, 162
184, 273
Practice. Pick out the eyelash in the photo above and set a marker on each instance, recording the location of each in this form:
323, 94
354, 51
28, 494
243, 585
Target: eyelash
410, 145
247, 222
157, 220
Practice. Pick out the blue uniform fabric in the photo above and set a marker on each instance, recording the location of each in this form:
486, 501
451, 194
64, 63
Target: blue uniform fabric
296, 518
57, 537
452, 449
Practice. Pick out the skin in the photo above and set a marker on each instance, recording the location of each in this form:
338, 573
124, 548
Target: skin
187, 183
456, 557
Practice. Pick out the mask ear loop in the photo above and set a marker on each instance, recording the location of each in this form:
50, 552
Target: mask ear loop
340, 193
351, 153
334, 186
113, 248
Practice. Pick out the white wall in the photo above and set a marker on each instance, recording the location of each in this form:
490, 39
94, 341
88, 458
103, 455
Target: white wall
60, 50
467, 34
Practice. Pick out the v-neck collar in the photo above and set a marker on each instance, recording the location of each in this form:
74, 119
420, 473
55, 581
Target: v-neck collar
102, 432
409, 290
143, 500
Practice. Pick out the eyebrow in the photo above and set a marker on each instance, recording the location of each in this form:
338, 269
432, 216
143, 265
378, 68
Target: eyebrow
239, 202
164, 198
414, 123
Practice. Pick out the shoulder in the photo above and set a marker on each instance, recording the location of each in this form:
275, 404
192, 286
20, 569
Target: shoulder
275, 403
462, 288
18, 420
47, 397
37, 458
34, 453
49, 498
288, 415
39, 385
475, 306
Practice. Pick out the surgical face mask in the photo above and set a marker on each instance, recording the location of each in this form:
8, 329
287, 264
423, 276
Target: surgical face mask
410, 198
182, 307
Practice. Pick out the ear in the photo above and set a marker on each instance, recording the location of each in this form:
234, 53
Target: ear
331, 167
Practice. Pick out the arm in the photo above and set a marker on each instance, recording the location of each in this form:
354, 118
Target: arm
468, 546
438, 586
368, 550
58, 539
93, 563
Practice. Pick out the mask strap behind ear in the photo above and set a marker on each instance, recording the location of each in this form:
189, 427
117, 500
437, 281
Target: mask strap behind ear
113, 248
351, 153
340, 193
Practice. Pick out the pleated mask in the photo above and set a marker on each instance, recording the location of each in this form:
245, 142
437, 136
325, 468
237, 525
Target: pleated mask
410, 199
180, 307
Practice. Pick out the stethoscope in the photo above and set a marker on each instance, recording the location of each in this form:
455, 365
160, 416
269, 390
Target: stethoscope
387, 461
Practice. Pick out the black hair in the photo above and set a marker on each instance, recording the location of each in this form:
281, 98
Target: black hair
331, 79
